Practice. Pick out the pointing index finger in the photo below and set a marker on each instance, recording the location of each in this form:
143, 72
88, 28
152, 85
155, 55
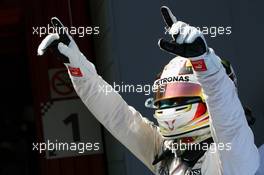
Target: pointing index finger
57, 24
167, 15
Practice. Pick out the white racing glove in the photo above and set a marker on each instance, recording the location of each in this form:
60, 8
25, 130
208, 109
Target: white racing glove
77, 64
188, 42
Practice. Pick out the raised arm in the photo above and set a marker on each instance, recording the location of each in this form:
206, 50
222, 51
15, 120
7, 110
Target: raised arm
227, 118
138, 134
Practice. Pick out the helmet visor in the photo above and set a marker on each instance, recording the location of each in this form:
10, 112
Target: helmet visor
176, 90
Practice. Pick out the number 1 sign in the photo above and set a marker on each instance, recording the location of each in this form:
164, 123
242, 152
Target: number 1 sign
70, 130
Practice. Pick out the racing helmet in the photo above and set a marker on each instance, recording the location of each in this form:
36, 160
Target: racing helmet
179, 102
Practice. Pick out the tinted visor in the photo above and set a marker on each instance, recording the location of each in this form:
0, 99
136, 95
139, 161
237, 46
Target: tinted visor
177, 90
177, 102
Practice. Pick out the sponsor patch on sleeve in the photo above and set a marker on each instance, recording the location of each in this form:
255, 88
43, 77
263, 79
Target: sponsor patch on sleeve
199, 65
76, 72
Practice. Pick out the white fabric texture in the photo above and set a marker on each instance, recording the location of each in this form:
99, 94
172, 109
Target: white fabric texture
185, 33
228, 121
261, 166
72, 52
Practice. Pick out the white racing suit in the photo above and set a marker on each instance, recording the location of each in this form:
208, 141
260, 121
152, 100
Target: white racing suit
261, 166
227, 120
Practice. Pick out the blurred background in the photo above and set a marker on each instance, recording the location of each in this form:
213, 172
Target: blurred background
37, 95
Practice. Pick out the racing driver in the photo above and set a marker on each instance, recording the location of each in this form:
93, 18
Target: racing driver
196, 104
